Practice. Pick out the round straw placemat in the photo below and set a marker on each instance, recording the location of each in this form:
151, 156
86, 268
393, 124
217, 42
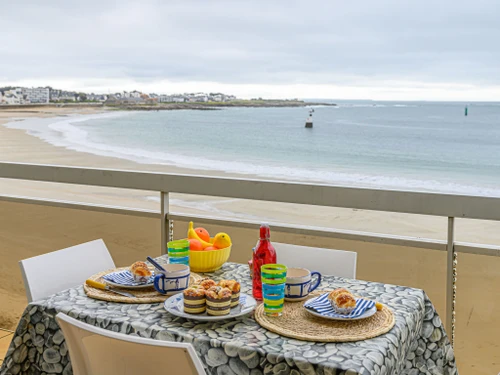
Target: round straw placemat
297, 323
147, 295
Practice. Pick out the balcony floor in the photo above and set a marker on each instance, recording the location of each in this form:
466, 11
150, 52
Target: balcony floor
5, 339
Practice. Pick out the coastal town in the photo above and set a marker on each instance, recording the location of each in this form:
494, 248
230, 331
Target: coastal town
47, 95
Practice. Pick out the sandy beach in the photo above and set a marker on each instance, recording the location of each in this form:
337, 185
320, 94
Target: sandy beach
29, 230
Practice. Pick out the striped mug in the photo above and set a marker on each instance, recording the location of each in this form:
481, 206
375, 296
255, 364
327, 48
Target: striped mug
174, 280
299, 283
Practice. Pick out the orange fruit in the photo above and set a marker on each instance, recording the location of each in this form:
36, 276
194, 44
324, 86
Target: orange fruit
210, 248
202, 233
195, 245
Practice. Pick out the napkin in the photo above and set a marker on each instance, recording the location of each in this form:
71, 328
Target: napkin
124, 278
323, 306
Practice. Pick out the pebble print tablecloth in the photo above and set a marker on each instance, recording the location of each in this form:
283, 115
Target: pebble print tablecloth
416, 345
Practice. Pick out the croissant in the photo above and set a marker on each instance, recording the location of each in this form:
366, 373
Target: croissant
342, 300
345, 301
336, 292
140, 269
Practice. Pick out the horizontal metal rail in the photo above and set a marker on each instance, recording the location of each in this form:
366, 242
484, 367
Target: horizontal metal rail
81, 206
421, 203
369, 237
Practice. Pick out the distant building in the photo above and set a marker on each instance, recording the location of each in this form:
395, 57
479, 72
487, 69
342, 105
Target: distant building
97, 97
165, 98
171, 99
61, 95
13, 97
39, 95
196, 98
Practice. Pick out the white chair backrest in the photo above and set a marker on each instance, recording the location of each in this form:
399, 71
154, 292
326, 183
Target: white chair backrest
325, 261
50, 273
95, 351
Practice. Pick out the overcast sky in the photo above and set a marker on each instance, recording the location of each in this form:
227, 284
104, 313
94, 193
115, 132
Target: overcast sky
358, 49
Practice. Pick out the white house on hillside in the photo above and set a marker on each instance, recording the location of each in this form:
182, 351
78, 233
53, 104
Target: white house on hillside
39, 95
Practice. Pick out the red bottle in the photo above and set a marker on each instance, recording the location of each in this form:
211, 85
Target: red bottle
264, 254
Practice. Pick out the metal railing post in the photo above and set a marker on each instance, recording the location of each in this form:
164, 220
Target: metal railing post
166, 233
451, 263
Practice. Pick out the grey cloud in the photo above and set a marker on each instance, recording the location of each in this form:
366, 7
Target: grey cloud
252, 41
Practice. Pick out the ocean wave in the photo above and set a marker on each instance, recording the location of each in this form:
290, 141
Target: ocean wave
65, 133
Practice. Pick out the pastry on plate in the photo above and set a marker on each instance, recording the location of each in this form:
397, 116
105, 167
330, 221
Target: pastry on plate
336, 292
206, 283
140, 272
234, 287
218, 301
194, 300
342, 301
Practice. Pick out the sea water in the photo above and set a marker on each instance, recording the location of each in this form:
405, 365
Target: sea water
411, 145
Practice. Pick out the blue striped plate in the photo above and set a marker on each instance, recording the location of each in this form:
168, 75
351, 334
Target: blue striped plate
320, 306
124, 279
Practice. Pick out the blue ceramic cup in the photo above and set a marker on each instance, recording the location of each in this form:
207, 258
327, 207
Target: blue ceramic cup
299, 283
174, 280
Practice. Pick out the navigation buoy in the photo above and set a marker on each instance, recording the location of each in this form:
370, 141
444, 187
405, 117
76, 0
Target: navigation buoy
309, 121
466, 110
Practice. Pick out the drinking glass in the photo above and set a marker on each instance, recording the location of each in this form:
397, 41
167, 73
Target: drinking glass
273, 288
178, 252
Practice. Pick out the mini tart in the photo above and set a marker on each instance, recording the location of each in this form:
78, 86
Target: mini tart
194, 300
234, 287
206, 283
218, 301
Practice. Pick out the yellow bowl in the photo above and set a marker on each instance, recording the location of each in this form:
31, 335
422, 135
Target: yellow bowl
208, 261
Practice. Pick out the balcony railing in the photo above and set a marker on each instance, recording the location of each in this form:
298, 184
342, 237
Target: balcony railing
409, 202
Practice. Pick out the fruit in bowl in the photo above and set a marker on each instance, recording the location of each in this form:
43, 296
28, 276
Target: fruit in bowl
195, 245
202, 233
215, 252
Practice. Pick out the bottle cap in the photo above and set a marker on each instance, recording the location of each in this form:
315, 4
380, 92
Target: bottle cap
265, 231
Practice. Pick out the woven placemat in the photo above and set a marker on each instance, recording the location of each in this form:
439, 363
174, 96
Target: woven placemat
297, 323
147, 295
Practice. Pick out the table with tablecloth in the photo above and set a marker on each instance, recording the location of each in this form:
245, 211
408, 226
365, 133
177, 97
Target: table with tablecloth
417, 344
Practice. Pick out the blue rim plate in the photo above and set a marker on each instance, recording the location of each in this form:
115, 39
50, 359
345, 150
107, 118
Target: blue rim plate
366, 314
129, 286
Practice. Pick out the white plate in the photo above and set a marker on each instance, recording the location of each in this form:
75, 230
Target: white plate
366, 314
175, 306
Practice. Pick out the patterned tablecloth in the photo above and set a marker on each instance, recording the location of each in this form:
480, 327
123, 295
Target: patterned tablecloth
416, 345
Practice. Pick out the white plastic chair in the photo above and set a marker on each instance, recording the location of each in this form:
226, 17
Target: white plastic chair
50, 273
95, 351
325, 261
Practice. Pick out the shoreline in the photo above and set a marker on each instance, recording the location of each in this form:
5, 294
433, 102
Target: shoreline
168, 106
67, 135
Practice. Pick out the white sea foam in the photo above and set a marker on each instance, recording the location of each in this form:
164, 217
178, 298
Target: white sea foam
65, 133
209, 206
